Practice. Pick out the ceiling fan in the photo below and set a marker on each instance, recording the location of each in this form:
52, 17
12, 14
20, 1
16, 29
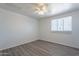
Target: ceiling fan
40, 8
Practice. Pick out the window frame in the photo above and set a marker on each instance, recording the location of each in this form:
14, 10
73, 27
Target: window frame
63, 25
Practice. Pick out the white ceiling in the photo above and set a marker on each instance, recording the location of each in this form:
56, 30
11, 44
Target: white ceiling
27, 9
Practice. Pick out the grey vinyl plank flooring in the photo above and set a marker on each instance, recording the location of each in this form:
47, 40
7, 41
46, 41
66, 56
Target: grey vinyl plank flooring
40, 48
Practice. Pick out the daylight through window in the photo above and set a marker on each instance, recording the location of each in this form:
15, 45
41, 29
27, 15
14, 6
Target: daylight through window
62, 24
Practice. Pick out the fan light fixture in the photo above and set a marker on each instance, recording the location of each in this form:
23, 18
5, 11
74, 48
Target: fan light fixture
40, 8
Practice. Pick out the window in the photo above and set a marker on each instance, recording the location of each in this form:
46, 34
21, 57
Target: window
62, 24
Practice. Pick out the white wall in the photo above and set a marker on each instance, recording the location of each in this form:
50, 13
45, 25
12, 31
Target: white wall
16, 29
69, 39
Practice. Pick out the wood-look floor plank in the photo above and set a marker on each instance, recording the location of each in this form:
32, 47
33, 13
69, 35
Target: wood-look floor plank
40, 48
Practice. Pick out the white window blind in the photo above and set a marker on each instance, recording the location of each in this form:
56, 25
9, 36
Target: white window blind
62, 24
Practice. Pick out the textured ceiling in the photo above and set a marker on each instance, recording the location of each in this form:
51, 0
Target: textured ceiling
27, 9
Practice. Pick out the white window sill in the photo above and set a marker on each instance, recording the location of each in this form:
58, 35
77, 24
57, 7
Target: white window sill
66, 32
